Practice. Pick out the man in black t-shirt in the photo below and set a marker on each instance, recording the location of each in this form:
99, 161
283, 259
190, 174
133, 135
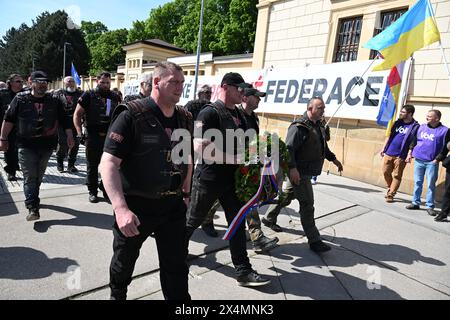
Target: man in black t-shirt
214, 176
148, 191
97, 107
36, 115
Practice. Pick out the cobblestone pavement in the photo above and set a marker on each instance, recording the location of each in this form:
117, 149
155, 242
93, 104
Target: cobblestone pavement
52, 179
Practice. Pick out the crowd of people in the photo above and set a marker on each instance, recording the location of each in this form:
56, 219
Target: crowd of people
129, 156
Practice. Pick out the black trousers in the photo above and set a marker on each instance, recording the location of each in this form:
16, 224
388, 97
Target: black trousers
446, 198
63, 149
12, 155
166, 220
94, 151
204, 194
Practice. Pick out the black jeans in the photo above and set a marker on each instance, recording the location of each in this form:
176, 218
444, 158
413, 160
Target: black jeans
12, 155
166, 219
446, 199
94, 151
204, 193
63, 148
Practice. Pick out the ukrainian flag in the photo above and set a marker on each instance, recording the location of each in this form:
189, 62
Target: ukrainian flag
413, 30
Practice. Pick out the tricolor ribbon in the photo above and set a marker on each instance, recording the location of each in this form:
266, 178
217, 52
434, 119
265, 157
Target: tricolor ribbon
267, 172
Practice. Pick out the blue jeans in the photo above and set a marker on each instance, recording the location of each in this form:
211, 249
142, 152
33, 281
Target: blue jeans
431, 170
33, 163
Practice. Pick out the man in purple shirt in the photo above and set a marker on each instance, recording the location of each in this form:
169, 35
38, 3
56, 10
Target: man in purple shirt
425, 149
396, 149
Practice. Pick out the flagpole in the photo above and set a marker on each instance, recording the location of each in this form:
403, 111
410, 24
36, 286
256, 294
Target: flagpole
351, 90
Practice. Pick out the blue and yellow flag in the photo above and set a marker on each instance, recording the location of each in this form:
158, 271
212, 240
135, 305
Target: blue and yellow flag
413, 30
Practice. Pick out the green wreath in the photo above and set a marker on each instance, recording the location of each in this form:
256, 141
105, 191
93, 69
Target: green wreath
248, 175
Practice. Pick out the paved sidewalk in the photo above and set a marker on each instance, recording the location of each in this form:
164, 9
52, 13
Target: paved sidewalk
380, 250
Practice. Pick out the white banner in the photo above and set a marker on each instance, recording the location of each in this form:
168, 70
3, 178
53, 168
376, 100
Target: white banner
289, 89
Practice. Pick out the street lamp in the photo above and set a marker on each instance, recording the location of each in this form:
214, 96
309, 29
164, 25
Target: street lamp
64, 62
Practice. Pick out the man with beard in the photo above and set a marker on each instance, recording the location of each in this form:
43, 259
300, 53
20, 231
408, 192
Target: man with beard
97, 107
37, 115
396, 149
70, 95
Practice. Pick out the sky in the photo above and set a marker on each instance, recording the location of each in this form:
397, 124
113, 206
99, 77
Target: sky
115, 14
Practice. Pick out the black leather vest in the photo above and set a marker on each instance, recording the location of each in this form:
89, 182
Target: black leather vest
97, 116
36, 119
311, 155
149, 171
226, 122
70, 100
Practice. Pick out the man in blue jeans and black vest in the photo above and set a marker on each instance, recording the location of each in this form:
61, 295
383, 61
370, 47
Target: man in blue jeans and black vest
425, 148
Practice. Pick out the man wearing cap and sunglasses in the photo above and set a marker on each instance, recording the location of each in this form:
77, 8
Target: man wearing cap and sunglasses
36, 116
14, 86
250, 102
214, 179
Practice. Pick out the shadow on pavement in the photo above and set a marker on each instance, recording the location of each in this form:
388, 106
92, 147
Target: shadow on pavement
25, 263
81, 218
383, 252
363, 250
344, 186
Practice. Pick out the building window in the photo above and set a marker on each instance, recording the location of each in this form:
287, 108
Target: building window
348, 39
386, 19
201, 72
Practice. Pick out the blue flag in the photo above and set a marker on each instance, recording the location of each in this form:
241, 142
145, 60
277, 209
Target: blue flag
76, 76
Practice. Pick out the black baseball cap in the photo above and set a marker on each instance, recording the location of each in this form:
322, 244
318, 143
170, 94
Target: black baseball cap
234, 79
253, 92
39, 76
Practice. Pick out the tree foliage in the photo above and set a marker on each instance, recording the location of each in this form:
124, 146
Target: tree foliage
229, 26
105, 46
42, 46
107, 51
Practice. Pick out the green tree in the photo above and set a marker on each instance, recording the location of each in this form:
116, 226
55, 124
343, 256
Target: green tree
42, 45
15, 40
92, 30
238, 34
162, 22
229, 26
107, 52
137, 32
